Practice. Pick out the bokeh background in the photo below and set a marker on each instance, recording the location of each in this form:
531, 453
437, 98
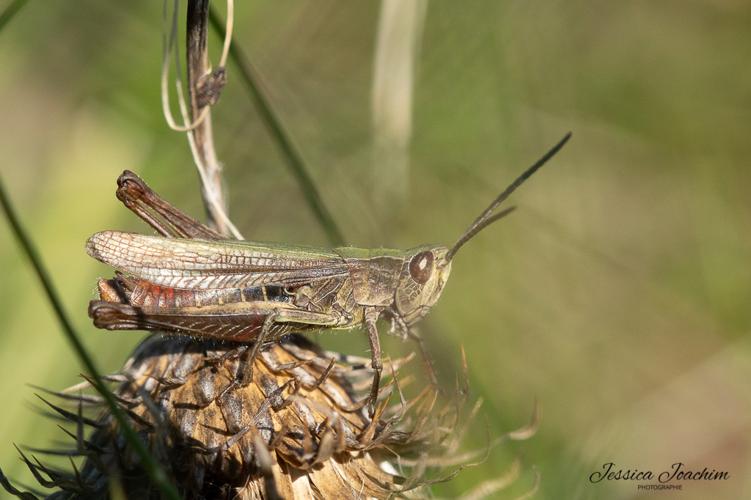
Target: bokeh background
617, 295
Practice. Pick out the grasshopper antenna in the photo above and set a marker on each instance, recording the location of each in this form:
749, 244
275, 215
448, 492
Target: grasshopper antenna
487, 217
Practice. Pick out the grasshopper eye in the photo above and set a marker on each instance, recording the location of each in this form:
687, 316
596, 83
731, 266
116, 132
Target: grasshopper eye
421, 267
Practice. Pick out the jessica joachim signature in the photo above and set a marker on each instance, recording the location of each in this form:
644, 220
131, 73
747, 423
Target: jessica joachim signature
677, 472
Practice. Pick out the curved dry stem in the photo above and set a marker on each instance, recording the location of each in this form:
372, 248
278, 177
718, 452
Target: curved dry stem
204, 86
170, 47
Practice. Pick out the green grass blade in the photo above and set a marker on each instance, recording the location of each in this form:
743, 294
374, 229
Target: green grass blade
152, 467
10, 11
293, 157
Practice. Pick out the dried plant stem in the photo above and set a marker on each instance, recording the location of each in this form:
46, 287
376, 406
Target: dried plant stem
203, 87
152, 467
270, 117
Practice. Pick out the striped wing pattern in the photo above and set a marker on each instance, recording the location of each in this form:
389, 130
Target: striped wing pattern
183, 263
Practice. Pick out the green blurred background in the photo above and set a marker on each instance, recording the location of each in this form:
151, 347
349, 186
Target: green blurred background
617, 295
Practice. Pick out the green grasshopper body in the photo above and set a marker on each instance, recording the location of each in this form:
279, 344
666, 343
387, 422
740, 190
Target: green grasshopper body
190, 281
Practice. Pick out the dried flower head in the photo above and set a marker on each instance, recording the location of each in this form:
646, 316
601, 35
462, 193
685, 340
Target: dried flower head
293, 429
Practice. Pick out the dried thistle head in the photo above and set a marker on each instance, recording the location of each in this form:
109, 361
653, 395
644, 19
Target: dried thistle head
292, 429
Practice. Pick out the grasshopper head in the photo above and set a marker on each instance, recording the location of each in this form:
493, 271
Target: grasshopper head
421, 282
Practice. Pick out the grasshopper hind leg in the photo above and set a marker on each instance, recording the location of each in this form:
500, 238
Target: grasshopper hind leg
158, 213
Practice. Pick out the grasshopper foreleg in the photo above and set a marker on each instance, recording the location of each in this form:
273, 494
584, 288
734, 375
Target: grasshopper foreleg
408, 332
425, 356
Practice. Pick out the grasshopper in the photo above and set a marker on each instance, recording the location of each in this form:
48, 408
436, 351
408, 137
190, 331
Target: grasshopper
190, 281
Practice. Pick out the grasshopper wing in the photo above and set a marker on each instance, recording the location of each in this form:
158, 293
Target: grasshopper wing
183, 263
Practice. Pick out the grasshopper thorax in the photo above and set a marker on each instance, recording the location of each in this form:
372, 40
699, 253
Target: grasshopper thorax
421, 282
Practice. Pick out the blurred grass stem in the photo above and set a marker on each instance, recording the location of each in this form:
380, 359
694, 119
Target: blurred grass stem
10, 11
397, 48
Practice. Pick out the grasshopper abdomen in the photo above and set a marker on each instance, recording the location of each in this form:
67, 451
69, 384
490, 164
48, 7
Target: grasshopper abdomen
229, 314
